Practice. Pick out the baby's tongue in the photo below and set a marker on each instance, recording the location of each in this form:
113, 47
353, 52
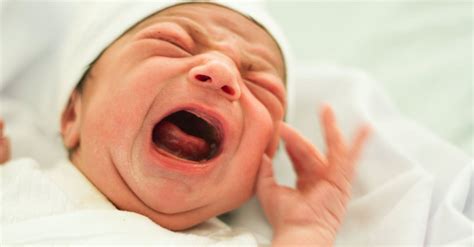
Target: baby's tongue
171, 138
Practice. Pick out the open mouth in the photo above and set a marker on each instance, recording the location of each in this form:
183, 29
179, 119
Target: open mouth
187, 136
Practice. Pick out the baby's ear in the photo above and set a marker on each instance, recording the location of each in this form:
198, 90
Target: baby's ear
71, 121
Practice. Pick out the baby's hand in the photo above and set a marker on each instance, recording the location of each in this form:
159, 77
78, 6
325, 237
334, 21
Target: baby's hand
312, 213
4, 145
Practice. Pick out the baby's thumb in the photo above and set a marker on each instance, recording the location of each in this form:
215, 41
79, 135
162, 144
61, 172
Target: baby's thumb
265, 183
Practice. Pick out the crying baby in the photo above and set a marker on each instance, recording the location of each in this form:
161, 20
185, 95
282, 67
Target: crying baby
179, 117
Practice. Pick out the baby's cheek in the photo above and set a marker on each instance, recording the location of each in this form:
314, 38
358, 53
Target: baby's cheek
115, 118
271, 112
268, 126
259, 129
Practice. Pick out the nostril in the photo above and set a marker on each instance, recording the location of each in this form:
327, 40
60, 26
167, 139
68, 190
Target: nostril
202, 78
228, 90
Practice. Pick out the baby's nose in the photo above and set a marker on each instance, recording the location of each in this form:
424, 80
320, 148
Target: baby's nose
219, 76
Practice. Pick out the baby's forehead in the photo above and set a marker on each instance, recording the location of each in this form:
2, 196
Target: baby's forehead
211, 19
207, 13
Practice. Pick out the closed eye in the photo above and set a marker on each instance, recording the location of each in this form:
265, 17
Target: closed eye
172, 42
168, 32
175, 44
162, 48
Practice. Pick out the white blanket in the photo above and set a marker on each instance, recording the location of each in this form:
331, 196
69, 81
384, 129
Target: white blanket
60, 206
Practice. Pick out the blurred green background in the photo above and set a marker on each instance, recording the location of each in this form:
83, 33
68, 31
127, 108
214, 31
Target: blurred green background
419, 51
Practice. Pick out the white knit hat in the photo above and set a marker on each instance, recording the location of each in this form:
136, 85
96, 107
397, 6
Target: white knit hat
99, 24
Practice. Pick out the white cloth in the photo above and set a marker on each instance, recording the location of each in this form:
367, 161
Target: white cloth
60, 206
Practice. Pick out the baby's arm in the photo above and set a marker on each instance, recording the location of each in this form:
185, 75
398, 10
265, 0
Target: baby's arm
4, 145
312, 213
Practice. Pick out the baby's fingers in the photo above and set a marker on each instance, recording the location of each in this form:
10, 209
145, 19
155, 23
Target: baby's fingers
359, 142
265, 180
336, 146
266, 186
303, 154
341, 157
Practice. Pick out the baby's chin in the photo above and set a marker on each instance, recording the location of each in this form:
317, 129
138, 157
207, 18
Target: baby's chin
179, 201
188, 204
183, 221
187, 219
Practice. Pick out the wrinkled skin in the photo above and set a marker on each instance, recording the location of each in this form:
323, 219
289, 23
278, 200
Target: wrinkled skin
154, 68
158, 66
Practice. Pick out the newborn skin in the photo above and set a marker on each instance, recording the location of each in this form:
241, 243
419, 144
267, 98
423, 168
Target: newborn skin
199, 57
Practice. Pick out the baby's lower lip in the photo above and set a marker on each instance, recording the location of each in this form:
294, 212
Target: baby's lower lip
164, 152
170, 162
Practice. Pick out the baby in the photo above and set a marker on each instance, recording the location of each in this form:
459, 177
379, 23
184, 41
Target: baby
179, 118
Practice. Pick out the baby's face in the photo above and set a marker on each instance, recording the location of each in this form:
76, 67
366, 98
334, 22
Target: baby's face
179, 111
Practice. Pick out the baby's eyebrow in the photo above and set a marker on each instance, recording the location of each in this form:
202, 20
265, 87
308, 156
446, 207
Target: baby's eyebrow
198, 33
160, 29
188, 25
